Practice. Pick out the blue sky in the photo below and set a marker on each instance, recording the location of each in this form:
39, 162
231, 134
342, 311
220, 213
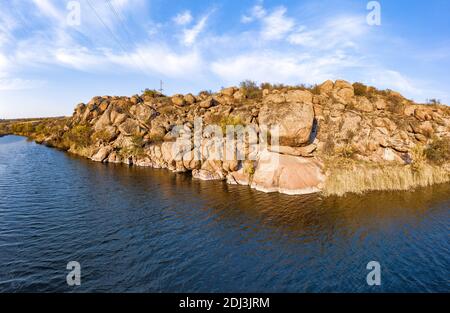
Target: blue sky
120, 47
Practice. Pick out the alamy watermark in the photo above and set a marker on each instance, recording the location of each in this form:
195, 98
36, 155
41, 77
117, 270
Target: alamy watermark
374, 276
374, 16
73, 17
222, 142
73, 278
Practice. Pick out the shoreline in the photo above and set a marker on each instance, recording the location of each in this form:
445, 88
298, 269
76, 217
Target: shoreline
334, 138
331, 188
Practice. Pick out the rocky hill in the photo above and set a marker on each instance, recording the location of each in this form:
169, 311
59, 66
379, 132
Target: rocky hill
333, 138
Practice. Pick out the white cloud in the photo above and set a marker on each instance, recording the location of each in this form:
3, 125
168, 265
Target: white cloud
160, 60
183, 18
280, 67
8, 84
257, 12
80, 58
276, 24
340, 32
190, 35
47, 8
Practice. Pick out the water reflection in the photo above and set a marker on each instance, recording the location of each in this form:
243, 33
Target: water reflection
142, 229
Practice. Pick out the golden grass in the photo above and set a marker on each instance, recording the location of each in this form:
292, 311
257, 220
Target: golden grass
360, 178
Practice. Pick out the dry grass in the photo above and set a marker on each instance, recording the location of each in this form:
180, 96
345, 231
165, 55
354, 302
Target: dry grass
360, 178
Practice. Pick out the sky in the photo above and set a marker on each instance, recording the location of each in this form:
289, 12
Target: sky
55, 54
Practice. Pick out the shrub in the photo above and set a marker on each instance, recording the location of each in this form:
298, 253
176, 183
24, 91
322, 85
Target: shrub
438, 151
102, 135
360, 89
137, 140
155, 137
249, 168
347, 151
266, 86
433, 102
250, 89
152, 93
395, 103
418, 158
79, 135
230, 120
315, 89
205, 93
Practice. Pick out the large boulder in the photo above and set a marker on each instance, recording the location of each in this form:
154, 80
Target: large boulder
145, 113
343, 91
229, 91
178, 100
363, 104
104, 120
207, 103
300, 96
287, 174
305, 151
294, 119
101, 154
326, 87
189, 99
129, 127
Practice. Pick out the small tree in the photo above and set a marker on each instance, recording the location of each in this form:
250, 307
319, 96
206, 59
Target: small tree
250, 89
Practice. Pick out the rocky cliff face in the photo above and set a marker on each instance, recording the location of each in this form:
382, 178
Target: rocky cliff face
322, 134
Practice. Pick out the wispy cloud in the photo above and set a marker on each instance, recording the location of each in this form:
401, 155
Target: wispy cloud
276, 24
271, 44
341, 31
183, 18
190, 34
257, 12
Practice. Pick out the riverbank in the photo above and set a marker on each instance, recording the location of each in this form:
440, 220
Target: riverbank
332, 138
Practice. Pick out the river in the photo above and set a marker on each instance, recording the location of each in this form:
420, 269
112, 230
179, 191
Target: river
149, 230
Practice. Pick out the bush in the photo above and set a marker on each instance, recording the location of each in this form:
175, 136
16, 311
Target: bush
395, 103
315, 89
80, 135
433, 102
250, 89
230, 120
249, 168
347, 151
205, 92
438, 151
137, 140
102, 135
418, 158
152, 93
360, 89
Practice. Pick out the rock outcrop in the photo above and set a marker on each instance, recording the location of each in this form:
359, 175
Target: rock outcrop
293, 139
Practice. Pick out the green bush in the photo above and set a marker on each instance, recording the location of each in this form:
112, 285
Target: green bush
151, 93
250, 89
102, 135
230, 120
79, 135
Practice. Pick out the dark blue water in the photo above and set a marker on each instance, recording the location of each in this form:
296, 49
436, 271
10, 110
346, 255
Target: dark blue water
148, 230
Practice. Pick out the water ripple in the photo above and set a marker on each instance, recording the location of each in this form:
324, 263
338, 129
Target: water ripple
140, 229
